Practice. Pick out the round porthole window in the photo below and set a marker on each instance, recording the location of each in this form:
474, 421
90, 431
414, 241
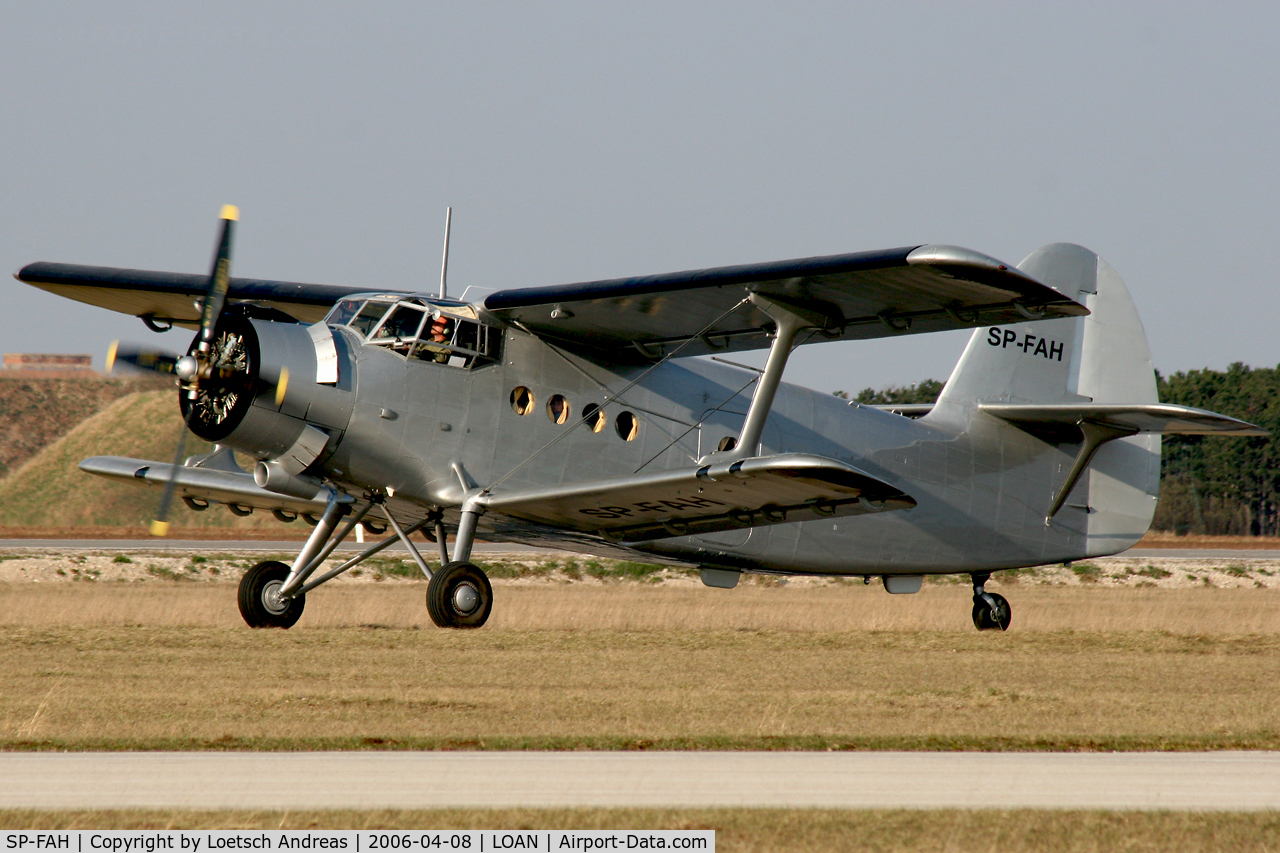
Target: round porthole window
521, 400
558, 409
593, 417
627, 425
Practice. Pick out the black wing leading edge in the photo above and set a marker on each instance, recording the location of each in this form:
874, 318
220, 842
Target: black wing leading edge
170, 297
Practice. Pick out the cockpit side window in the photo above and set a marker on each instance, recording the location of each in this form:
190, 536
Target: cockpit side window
457, 342
400, 327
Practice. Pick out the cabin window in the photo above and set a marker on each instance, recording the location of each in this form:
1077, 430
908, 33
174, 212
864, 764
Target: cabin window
593, 417
558, 409
521, 400
627, 426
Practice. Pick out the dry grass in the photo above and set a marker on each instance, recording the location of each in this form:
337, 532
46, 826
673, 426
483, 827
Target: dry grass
753, 830
1169, 539
50, 491
519, 606
631, 666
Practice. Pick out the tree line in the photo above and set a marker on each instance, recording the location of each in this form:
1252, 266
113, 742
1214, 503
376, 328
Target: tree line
1208, 485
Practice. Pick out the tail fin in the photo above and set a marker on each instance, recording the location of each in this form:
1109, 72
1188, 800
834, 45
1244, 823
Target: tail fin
1103, 358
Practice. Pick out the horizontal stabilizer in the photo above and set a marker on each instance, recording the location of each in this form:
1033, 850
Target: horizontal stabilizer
1162, 418
907, 410
748, 493
207, 484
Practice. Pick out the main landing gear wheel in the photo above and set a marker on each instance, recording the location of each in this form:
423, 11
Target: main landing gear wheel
991, 612
459, 596
260, 602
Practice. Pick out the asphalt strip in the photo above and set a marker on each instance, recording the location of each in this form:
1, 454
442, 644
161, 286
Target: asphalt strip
1217, 781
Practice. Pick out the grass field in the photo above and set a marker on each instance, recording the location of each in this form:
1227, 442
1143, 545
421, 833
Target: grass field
164, 664
767, 830
626, 666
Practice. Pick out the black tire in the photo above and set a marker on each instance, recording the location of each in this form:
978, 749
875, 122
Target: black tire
459, 596
987, 618
259, 607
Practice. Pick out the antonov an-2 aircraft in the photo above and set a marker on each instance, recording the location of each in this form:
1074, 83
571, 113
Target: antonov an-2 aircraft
577, 416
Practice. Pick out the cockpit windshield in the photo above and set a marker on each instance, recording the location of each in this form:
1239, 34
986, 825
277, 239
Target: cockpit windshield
419, 329
368, 317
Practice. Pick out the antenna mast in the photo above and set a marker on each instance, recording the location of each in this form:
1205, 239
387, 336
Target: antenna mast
444, 265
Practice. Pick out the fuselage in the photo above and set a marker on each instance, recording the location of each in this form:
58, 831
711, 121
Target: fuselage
426, 431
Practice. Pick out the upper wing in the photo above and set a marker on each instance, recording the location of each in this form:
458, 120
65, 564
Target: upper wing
750, 493
864, 295
171, 297
1163, 418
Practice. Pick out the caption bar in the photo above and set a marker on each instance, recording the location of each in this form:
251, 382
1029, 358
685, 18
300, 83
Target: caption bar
352, 841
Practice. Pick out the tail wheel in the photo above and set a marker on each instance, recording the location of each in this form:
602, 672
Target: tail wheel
991, 612
459, 596
260, 601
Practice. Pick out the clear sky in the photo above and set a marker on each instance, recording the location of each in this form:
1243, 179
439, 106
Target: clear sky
578, 141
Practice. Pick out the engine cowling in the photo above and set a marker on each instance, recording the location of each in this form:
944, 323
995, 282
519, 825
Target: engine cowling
239, 403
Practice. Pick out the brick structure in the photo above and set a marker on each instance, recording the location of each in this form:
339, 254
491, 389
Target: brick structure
46, 365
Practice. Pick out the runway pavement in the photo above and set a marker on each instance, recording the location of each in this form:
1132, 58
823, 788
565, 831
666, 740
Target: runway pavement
1218, 781
1200, 554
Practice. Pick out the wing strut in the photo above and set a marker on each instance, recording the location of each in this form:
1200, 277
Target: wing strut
791, 320
1095, 435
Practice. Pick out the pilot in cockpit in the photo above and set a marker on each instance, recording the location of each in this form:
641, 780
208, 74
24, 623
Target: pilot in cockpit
440, 332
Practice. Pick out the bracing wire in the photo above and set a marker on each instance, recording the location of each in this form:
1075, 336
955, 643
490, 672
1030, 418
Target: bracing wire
613, 397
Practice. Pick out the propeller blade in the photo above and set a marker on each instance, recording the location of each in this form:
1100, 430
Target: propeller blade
160, 525
192, 369
219, 281
138, 358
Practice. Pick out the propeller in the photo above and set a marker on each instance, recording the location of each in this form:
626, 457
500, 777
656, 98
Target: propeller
204, 363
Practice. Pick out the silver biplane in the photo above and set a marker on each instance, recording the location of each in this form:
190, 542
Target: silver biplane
579, 416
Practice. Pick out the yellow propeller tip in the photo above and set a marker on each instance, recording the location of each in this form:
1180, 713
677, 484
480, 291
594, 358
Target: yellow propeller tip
111, 355
159, 528
230, 211
282, 385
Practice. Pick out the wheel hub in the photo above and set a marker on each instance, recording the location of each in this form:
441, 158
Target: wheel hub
466, 598
271, 598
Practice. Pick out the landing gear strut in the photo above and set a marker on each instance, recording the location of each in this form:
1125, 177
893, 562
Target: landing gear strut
272, 595
991, 612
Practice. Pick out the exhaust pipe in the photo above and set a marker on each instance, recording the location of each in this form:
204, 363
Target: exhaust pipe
274, 478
